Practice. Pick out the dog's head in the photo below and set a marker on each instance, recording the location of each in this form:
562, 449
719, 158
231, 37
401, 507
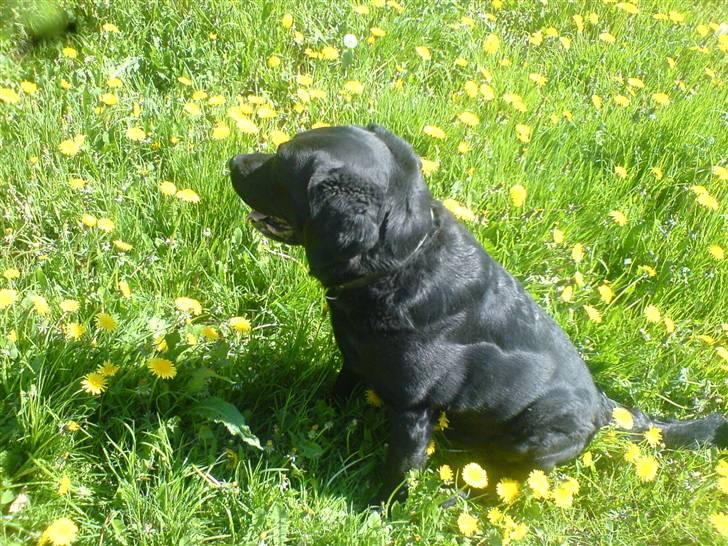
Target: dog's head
352, 196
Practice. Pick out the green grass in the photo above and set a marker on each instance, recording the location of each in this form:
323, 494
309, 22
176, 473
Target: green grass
146, 466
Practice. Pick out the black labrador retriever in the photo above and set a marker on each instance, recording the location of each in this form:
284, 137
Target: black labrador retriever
422, 314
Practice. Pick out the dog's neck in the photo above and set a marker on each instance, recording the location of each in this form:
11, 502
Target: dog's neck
333, 291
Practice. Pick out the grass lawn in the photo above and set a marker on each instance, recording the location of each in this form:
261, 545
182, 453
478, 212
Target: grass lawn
163, 368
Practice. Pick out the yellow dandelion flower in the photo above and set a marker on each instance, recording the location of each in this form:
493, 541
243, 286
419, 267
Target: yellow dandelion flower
557, 235
107, 369
74, 330
523, 133
491, 44
40, 305
567, 294
187, 195
210, 333
462, 63
240, 324
220, 132
423, 52
646, 468
188, 305
246, 126
579, 279
354, 87
64, 485
72, 426
122, 246
429, 166
193, 109
539, 484
487, 92
708, 201
597, 101
216, 100
463, 148
620, 171
28, 87
467, 524
443, 422
563, 496
518, 195
619, 217
167, 188
7, 297
106, 322
372, 398
329, 53
607, 38
11, 273
579, 22
460, 211
716, 252
539, 79
657, 173
109, 99
105, 224
661, 99
114, 82
588, 459
508, 490
61, 532
632, 453
606, 293
162, 368
469, 119
124, 289
593, 314
377, 32
89, 220
274, 61
669, 324
136, 134
278, 137
621, 100
70, 52
71, 146
109, 27
720, 522
287, 21
69, 306
653, 435
720, 171
8, 96
77, 183
623, 418
577, 252
430, 448
652, 314
475, 476
94, 383
434, 131
445, 473
648, 270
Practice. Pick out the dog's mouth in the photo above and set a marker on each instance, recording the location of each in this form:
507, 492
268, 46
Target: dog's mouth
273, 227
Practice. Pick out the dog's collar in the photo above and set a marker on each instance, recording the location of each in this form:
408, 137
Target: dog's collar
333, 291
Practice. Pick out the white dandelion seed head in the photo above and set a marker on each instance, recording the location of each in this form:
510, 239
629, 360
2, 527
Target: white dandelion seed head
350, 41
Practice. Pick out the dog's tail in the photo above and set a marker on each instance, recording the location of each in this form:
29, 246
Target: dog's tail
691, 433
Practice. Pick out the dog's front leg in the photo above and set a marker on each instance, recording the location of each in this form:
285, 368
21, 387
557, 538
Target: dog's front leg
346, 383
410, 432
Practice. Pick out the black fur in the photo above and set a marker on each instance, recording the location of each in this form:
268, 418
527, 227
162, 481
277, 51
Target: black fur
423, 315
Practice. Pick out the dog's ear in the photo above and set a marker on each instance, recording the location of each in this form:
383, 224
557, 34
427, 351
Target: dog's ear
403, 153
345, 211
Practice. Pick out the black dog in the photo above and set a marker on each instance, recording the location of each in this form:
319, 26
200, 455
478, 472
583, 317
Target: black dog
422, 314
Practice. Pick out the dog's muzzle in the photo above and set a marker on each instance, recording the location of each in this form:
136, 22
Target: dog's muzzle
272, 227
